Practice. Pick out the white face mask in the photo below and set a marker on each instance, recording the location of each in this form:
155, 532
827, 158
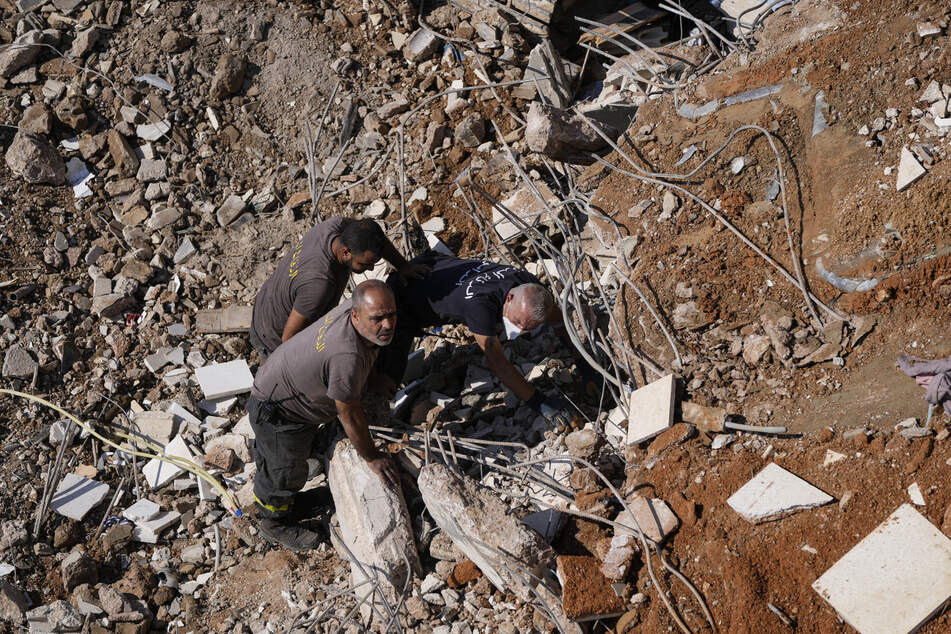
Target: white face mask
511, 330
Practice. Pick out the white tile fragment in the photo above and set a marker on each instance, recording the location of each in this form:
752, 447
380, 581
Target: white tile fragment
142, 511
894, 580
159, 473
650, 410
75, 496
774, 493
909, 169
220, 380
914, 493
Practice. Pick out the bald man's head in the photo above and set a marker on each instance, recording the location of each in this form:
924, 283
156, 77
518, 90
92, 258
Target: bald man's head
374, 312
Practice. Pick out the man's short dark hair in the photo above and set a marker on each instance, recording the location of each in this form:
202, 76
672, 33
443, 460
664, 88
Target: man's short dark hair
363, 235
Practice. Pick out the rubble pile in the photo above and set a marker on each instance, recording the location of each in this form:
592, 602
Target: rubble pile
162, 156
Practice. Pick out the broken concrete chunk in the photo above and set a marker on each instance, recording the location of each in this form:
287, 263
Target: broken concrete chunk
58, 616
905, 559
13, 603
34, 159
229, 76
421, 45
561, 135
219, 380
909, 169
25, 49
503, 548
546, 70
18, 363
230, 209
374, 522
651, 410
775, 493
75, 496
653, 517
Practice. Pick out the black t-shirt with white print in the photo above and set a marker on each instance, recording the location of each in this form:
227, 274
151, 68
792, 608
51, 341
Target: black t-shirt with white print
459, 291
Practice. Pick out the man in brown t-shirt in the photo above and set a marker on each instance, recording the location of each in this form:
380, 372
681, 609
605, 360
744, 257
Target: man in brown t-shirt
315, 377
310, 280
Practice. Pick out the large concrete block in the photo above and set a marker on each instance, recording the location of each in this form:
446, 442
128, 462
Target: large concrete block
512, 555
374, 524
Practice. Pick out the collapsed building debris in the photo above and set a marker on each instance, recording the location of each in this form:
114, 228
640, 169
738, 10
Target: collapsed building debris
127, 299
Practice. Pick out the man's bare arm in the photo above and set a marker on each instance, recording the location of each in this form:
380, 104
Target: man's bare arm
294, 324
358, 431
502, 367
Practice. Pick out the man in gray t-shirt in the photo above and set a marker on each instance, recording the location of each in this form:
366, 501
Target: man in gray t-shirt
316, 376
310, 280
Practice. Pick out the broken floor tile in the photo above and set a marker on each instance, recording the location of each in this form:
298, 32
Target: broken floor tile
895, 579
75, 496
909, 169
650, 410
218, 407
182, 414
158, 473
220, 380
148, 531
142, 511
775, 493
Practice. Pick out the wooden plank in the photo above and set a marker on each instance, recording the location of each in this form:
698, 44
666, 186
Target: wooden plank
230, 319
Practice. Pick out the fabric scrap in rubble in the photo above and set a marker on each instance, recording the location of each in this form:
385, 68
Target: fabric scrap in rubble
934, 376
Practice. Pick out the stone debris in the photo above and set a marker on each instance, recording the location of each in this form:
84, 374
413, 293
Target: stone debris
905, 559
775, 493
32, 157
231, 319
374, 523
561, 135
477, 521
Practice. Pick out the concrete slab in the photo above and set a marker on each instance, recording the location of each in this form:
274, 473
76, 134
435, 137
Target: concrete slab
75, 496
159, 473
479, 523
142, 511
221, 380
651, 409
374, 523
894, 580
775, 493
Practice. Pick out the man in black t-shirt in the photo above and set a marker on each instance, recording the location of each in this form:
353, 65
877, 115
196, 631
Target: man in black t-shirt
487, 298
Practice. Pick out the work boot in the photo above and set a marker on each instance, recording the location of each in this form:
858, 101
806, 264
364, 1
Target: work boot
289, 534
